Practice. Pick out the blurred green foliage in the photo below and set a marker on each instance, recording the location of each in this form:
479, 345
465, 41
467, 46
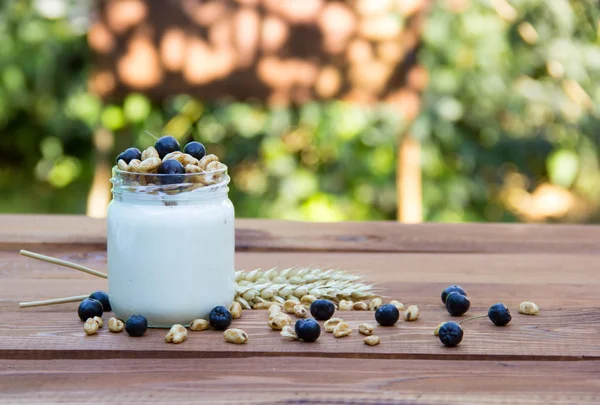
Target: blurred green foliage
513, 89
512, 104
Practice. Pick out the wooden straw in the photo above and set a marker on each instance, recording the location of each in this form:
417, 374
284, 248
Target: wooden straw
30, 304
63, 263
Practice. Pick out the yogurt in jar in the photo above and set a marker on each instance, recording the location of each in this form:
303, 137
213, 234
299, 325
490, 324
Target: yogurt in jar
170, 255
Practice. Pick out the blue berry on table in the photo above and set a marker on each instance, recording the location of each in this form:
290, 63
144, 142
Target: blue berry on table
308, 330
220, 318
387, 315
450, 334
173, 171
451, 289
89, 308
195, 149
322, 309
499, 314
136, 325
129, 154
165, 145
457, 304
103, 298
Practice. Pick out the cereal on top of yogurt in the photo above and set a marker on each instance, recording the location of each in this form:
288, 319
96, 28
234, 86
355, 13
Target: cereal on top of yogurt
166, 164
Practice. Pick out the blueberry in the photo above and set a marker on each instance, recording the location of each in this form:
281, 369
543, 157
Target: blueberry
387, 315
450, 334
307, 329
499, 314
174, 169
103, 298
196, 149
220, 318
89, 308
165, 145
129, 155
322, 309
452, 288
457, 304
136, 325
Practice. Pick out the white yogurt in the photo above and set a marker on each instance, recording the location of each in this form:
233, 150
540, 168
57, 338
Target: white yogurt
171, 257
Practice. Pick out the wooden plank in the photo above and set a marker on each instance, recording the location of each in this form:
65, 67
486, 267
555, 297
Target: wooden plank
296, 380
550, 280
566, 328
21, 231
556, 334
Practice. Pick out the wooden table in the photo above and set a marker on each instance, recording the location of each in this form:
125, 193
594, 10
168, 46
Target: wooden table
552, 358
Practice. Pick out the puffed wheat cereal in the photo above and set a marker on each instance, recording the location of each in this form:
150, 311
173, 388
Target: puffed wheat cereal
150, 152
90, 327
529, 308
412, 313
121, 165
278, 321
289, 305
236, 310
372, 340
341, 330
360, 306
148, 165
331, 323
275, 308
261, 305
99, 321
133, 165
192, 169
300, 311
115, 325
397, 304
346, 305
308, 299
198, 325
375, 303
236, 336
288, 332
214, 166
365, 329
176, 155
188, 160
177, 334
206, 160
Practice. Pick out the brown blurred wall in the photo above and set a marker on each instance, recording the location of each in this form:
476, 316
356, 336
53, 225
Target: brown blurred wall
274, 51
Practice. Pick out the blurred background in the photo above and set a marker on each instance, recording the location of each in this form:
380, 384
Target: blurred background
415, 110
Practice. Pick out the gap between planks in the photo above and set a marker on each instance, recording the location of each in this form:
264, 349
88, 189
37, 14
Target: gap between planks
35, 354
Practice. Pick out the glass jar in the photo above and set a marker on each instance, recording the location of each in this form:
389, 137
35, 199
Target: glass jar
170, 246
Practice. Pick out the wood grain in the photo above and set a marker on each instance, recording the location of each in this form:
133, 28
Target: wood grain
19, 231
566, 328
552, 358
298, 380
553, 335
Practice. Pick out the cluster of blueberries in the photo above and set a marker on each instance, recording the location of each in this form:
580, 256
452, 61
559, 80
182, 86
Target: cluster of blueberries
457, 304
165, 145
137, 325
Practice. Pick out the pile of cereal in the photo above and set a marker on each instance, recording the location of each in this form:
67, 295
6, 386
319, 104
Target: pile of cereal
165, 164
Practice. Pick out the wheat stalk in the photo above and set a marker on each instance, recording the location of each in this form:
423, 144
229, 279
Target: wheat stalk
266, 286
